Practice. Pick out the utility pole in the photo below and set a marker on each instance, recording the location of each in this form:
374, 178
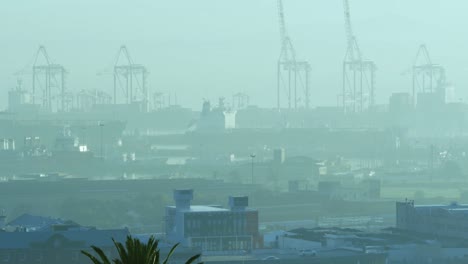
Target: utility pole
101, 127
83, 136
431, 161
252, 175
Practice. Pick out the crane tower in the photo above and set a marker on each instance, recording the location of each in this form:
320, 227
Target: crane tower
130, 79
292, 74
358, 90
48, 83
428, 78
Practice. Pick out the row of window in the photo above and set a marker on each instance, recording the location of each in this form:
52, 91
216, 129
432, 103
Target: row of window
223, 243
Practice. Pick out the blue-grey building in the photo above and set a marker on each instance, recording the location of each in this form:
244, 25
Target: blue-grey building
438, 220
212, 228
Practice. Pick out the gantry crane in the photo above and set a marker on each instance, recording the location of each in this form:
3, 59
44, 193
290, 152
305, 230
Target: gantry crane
290, 71
48, 82
131, 79
358, 90
50, 79
428, 78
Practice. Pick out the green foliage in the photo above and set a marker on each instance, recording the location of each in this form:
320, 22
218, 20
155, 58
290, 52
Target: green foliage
135, 252
109, 212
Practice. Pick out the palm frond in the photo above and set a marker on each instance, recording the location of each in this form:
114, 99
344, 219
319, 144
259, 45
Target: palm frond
100, 253
91, 257
193, 259
170, 253
133, 251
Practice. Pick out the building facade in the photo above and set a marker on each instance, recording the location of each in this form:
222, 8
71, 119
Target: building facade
438, 220
212, 228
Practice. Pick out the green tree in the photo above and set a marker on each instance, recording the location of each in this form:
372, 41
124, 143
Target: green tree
135, 252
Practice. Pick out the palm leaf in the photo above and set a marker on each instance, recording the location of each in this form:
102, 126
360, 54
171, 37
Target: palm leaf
133, 251
100, 253
193, 259
123, 255
170, 253
91, 257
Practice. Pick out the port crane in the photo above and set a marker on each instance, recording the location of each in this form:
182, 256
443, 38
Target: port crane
428, 78
291, 72
358, 88
48, 82
129, 80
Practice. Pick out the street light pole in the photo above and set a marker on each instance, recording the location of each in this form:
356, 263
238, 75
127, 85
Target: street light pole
101, 126
252, 175
83, 130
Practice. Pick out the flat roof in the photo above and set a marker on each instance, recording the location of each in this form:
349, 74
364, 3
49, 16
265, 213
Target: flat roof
204, 208
458, 209
452, 205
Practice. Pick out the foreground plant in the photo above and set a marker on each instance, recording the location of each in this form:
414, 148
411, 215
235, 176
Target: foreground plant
135, 252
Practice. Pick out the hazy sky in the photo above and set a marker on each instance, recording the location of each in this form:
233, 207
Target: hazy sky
211, 48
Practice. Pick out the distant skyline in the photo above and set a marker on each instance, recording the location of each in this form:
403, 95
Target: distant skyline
211, 48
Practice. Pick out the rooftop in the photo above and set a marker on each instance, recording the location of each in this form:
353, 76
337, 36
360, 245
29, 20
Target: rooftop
85, 238
453, 208
35, 222
384, 238
204, 208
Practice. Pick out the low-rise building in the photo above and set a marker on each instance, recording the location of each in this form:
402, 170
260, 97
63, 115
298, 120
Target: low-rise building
437, 220
58, 244
212, 228
28, 223
390, 246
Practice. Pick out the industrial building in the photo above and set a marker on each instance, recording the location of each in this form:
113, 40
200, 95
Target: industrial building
436, 220
212, 228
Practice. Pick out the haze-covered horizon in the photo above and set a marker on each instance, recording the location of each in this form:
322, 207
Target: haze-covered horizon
207, 49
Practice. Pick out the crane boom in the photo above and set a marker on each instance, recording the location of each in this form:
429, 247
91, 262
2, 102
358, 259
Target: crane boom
353, 48
289, 70
42, 51
282, 23
123, 51
423, 54
287, 49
